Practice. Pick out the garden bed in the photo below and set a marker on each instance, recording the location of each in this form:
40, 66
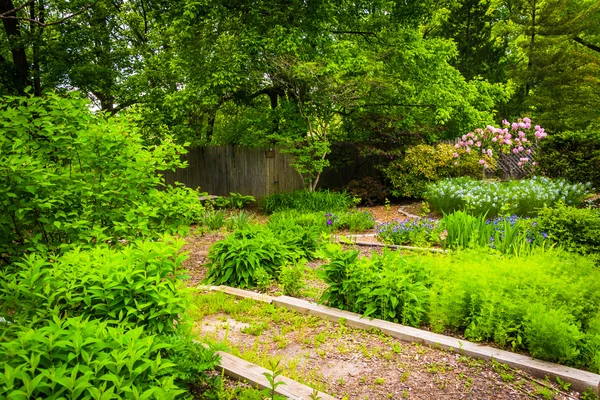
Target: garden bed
355, 364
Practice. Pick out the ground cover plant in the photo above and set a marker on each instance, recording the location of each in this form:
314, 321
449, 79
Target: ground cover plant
353, 221
514, 235
303, 200
549, 305
461, 230
524, 197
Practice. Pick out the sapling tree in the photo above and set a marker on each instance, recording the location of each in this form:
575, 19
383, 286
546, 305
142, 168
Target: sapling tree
318, 93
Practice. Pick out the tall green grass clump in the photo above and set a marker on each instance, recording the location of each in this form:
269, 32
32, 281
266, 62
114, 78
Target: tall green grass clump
523, 198
546, 302
305, 201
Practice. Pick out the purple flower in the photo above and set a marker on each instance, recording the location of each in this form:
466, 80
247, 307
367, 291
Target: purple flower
329, 222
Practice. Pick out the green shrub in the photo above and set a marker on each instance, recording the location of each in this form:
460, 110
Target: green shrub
303, 243
523, 198
353, 221
235, 259
384, 286
74, 178
546, 301
576, 229
424, 164
78, 358
302, 200
138, 286
214, 219
574, 156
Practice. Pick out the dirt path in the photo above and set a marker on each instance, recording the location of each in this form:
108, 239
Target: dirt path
354, 364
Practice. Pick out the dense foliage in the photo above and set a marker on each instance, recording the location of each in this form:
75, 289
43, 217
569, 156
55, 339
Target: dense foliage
100, 322
572, 155
69, 177
424, 164
305, 201
523, 197
575, 229
483, 296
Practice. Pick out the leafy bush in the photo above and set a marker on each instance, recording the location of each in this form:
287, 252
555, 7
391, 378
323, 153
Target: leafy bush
69, 174
353, 221
523, 197
385, 286
424, 164
302, 200
546, 301
301, 242
369, 190
576, 229
235, 259
79, 358
417, 232
574, 156
137, 286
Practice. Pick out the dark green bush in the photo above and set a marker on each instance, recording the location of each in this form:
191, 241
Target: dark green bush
235, 259
78, 358
369, 190
74, 178
138, 286
305, 201
576, 229
574, 156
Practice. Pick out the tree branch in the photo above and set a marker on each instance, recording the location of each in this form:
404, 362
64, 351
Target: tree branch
41, 23
586, 44
14, 10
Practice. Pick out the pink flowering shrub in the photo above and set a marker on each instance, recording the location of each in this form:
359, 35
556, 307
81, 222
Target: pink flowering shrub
516, 137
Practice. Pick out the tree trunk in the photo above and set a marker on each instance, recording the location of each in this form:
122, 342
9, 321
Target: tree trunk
13, 32
531, 47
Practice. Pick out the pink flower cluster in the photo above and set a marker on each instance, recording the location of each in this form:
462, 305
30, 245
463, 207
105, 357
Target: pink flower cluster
516, 137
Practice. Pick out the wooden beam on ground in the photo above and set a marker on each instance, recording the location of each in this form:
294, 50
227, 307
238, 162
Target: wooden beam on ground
242, 370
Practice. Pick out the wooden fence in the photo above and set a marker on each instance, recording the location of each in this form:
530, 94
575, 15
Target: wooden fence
220, 170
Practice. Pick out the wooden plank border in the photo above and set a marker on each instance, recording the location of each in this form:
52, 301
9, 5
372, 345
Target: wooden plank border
579, 379
242, 370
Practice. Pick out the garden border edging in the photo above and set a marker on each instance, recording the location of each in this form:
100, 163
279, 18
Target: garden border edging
580, 380
244, 371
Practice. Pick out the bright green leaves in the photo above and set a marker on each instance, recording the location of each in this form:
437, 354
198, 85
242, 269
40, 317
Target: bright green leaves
81, 358
77, 178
